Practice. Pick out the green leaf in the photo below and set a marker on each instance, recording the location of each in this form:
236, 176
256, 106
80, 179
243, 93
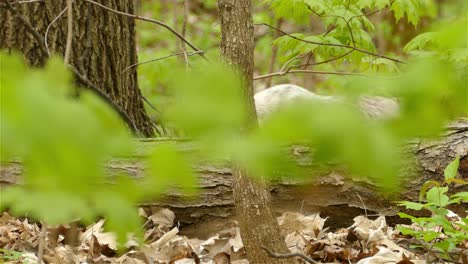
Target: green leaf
371, 4
457, 181
425, 187
411, 205
429, 235
462, 195
406, 216
444, 245
451, 170
409, 7
421, 41
436, 196
406, 230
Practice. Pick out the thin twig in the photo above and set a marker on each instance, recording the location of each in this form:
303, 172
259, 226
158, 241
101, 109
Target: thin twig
285, 70
305, 65
22, 2
299, 56
323, 62
29, 1
370, 13
161, 58
154, 21
307, 71
330, 44
289, 255
336, 16
66, 60
363, 204
150, 104
49, 26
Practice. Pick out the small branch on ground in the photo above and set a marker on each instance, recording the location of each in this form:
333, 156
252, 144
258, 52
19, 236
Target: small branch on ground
289, 255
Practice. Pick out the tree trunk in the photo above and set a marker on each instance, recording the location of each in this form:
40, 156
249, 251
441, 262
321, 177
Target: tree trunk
252, 201
103, 47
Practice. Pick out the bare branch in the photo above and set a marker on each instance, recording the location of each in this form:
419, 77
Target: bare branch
307, 71
289, 255
162, 58
285, 70
321, 62
29, 1
299, 56
22, 2
66, 60
154, 21
332, 45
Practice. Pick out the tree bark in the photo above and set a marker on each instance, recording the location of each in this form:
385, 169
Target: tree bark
252, 200
103, 46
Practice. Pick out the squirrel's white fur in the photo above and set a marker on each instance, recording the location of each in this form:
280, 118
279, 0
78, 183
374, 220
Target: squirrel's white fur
268, 101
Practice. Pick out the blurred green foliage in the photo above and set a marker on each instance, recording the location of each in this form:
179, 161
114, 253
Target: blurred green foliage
63, 143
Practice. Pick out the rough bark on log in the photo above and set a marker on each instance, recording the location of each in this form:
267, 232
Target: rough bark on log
334, 195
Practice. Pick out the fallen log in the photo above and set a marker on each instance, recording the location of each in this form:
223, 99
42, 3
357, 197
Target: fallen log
332, 194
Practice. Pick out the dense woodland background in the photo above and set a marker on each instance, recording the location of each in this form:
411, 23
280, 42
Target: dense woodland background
199, 19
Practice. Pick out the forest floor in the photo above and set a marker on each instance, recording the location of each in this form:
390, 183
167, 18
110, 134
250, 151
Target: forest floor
365, 242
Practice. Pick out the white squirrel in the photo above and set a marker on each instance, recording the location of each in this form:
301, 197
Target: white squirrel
270, 99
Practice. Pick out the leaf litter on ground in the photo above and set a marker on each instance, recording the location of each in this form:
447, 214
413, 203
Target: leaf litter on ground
365, 242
